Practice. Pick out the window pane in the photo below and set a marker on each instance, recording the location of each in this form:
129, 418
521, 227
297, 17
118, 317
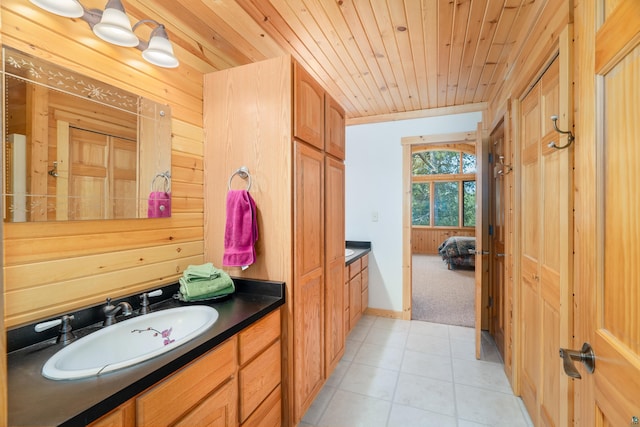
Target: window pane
435, 162
446, 204
420, 204
468, 163
469, 204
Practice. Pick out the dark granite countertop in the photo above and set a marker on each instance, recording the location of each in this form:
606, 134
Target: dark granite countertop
36, 400
359, 249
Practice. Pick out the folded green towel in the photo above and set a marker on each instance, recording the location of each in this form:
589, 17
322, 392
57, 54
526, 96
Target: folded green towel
204, 289
201, 272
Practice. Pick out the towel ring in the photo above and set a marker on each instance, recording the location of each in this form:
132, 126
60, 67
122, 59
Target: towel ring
166, 176
243, 173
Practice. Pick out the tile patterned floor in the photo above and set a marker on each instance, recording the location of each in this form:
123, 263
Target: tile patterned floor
411, 373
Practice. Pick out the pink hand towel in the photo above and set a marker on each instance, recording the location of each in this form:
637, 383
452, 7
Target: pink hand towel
159, 205
241, 231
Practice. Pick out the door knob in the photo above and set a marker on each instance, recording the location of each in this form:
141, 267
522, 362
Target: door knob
585, 355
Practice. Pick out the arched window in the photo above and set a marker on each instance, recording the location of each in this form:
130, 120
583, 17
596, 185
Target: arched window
443, 190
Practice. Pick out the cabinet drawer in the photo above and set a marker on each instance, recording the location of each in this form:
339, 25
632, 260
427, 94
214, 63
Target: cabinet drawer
354, 268
171, 399
258, 336
364, 262
365, 300
218, 409
355, 300
346, 295
269, 413
365, 278
258, 379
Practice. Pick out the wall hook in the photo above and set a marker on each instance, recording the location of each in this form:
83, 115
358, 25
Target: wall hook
506, 169
54, 172
570, 137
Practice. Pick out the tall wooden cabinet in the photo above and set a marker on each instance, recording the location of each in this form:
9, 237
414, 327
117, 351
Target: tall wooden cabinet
334, 262
273, 118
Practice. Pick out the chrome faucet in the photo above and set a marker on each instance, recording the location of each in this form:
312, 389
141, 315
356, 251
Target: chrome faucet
111, 310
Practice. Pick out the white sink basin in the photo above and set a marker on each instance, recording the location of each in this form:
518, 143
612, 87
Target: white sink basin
129, 342
348, 252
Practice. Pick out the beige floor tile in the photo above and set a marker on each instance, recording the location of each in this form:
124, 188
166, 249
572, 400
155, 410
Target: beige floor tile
427, 365
355, 410
370, 381
381, 356
431, 345
425, 393
386, 337
406, 416
488, 407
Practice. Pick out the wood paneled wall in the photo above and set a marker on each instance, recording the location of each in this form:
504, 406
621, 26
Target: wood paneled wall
427, 240
56, 267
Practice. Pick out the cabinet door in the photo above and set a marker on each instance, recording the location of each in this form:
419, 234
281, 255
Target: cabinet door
308, 117
334, 280
308, 286
173, 398
219, 409
334, 128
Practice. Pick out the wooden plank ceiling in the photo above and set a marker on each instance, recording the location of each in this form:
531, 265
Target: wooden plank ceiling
376, 57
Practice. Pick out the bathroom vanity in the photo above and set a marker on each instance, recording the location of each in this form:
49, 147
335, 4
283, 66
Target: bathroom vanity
230, 373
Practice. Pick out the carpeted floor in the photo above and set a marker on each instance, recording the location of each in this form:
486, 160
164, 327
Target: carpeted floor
440, 295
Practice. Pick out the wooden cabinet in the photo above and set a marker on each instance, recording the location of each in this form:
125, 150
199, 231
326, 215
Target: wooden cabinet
308, 118
357, 287
260, 373
334, 128
271, 117
334, 273
207, 392
308, 295
123, 416
364, 283
192, 393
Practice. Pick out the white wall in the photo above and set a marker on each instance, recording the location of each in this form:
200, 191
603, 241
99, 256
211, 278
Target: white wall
374, 187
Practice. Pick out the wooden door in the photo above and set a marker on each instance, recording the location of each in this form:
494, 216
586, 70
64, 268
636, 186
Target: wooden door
613, 312
497, 214
334, 248
308, 102
88, 175
545, 249
308, 286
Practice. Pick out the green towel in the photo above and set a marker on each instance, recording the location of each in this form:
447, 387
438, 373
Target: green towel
193, 290
201, 272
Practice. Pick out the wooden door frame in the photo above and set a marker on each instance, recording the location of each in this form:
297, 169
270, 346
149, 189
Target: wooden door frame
407, 143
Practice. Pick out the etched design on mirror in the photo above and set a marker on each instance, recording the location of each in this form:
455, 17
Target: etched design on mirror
23, 66
76, 148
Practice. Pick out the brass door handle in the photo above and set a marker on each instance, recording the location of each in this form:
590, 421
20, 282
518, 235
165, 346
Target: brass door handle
585, 355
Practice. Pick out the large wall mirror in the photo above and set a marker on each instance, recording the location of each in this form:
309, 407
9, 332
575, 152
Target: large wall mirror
78, 149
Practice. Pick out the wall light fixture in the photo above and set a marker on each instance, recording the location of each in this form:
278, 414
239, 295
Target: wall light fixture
113, 25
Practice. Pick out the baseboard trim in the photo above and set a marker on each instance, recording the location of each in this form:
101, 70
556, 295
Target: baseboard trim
383, 313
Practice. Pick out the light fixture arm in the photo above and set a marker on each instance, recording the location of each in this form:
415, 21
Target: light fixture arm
159, 30
570, 137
